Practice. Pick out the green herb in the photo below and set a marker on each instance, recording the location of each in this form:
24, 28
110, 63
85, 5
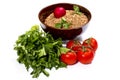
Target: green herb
40, 51
76, 9
63, 24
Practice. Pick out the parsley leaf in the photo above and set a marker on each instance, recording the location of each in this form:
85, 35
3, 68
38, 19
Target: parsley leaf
76, 9
63, 24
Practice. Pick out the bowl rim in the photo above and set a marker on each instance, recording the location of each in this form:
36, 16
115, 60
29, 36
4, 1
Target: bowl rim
63, 4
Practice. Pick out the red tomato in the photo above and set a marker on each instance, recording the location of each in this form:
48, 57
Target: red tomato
59, 12
69, 58
85, 55
74, 45
91, 42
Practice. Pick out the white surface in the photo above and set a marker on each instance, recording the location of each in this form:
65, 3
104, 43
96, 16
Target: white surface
17, 16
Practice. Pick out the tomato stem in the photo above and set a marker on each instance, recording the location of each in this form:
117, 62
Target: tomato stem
83, 48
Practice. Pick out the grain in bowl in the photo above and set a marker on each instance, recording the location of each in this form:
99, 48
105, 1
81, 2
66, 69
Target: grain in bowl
64, 33
74, 20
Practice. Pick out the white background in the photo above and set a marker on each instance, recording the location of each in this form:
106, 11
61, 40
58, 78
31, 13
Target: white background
17, 16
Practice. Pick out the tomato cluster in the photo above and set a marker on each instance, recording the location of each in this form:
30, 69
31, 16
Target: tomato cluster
80, 52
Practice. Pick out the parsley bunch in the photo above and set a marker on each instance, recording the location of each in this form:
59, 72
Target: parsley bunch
39, 51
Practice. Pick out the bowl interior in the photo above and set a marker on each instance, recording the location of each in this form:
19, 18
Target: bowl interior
45, 12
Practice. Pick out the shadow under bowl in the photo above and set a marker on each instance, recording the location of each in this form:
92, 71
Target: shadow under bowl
65, 34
